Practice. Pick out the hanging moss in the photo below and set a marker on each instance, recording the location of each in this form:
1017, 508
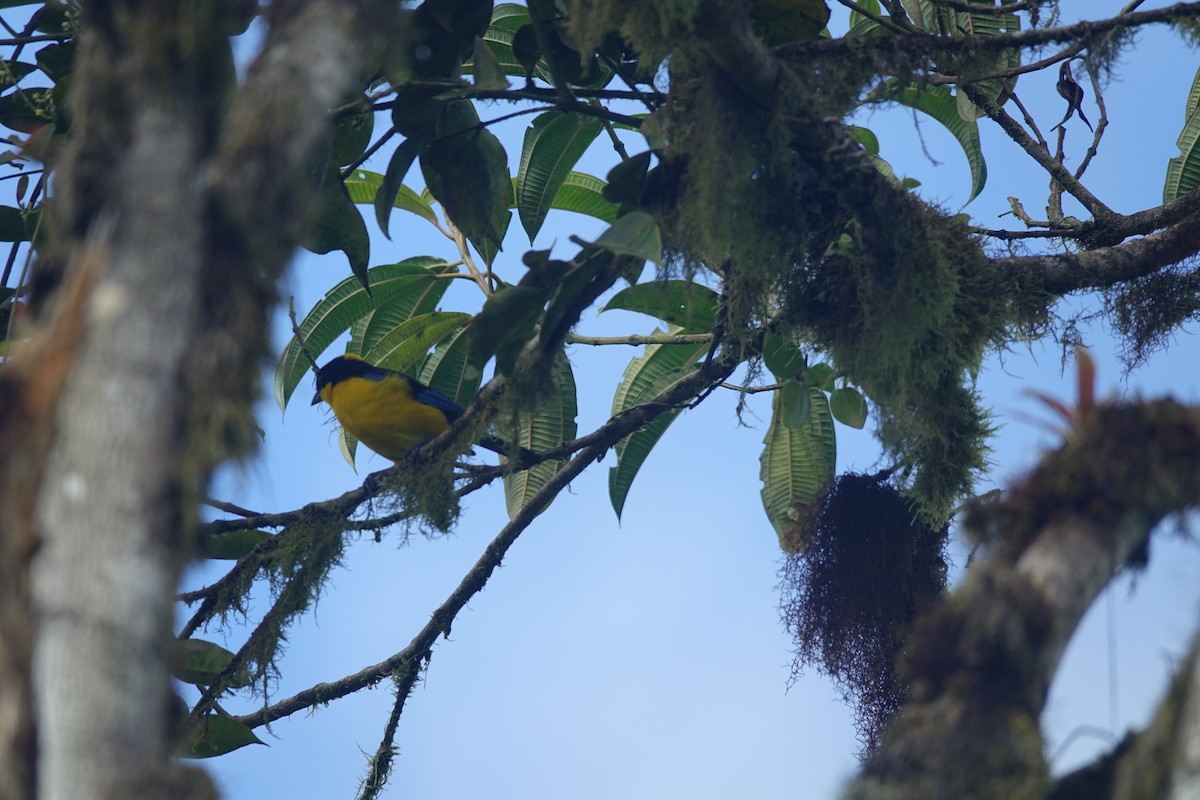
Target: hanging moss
810, 238
1147, 310
868, 563
652, 29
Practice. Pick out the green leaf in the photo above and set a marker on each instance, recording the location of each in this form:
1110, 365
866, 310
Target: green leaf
794, 405
687, 305
351, 135
504, 324
658, 369
939, 103
11, 73
337, 225
627, 180
12, 225
866, 137
635, 234
784, 359
1183, 171
796, 465
781, 22
565, 304
553, 144
986, 23
363, 188
27, 110
347, 446
1193, 98
391, 187
466, 169
448, 370
820, 376
526, 50
416, 299
503, 40
486, 67
489, 248
584, 194
232, 545
870, 5
214, 735
849, 407
550, 422
409, 342
201, 662
346, 303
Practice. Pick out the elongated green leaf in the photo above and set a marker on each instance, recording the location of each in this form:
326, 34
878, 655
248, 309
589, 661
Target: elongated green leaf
1183, 171
214, 735
635, 234
363, 186
351, 135
448, 370
550, 422
658, 369
507, 19
1193, 98
341, 307
231, 545
201, 662
986, 22
387, 196
939, 103
503, 326
796, 465
407, 344
11, 73
12, 225
583, 194
487, 69
553, 143
337, 225
466, 169
858, 19
421, 297
689, 306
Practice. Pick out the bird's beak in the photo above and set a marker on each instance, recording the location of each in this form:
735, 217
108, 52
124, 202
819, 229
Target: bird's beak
316, 397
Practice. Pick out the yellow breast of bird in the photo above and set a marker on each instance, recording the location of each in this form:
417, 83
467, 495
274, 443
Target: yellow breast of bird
383, 415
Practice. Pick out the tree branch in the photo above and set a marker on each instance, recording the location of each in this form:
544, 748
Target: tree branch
409, 660
923, 44
1102, 267
980, 662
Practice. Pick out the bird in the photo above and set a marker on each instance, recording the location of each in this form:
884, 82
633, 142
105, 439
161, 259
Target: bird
388, 411
1072, 92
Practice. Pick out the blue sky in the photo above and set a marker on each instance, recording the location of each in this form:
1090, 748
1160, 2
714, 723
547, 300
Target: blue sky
646, 659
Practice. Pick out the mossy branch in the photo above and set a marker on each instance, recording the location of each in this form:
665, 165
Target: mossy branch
980, 662
407, 663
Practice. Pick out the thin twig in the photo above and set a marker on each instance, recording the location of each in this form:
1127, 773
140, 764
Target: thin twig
370, 151
637, 340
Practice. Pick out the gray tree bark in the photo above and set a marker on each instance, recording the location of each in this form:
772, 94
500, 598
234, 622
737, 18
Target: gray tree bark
177, 202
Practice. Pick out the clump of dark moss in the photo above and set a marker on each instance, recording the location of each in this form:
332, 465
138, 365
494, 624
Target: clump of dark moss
1147, 310
868, 564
